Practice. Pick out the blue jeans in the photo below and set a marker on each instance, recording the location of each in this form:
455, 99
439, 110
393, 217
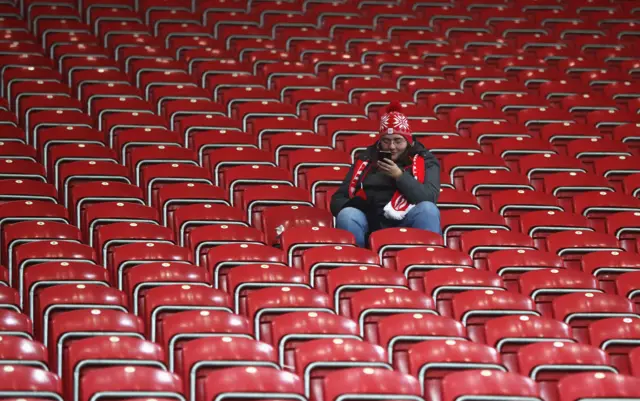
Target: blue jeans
424, 215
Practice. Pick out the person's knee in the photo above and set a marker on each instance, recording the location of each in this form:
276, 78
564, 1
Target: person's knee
428, 208
350, 214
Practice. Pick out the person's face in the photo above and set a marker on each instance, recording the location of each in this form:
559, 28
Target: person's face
396, 144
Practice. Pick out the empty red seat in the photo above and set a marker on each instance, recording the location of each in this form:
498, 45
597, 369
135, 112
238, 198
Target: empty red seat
571, 246
596, 207
627, 285
598, 385
372, 383
540, 224
125, 380
491, 383
607, 266
475, 308
388, 242
235, 382
15, 324
317, 262
624, 226
458, 221
481, 243
580, 309
30, 383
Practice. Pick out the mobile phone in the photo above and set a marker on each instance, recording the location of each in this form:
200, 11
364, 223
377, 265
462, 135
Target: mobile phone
384, 154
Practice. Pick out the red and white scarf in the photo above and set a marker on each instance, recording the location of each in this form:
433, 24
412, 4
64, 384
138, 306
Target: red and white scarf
398, 206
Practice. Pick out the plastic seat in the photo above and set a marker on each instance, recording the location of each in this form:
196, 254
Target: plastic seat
23, 352
189, 218
99, 352
414, 263
78, 172
15, 324
607, 266
121, 381
200, 357
170, 197
295, 240
262, 382
458, 221
388, 242
100, 214
475, 308
540, 224
221, 259
374, 384
509, 334
432, 361
478, 384
84, 194
443, 284
265, 304
543, 286
9, 299
316, 359
617, 336
277, 220
128, 256
258, 198
568, 185
598, 385
457, 165
110, 236
30, 382
596, 207
485, 184
317, 262
17, 211
16, 190
371, 305
580, 309
238, 179
626, 285
480, 243
615, 168
538, 166
624, 226
571, 246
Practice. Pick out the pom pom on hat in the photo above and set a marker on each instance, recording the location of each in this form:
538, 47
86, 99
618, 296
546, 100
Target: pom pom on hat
393, 122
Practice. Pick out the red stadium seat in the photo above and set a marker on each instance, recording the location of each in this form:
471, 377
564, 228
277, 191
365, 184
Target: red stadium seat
540, 224
508, 334
122, 381
15, 324
291, 330
597, 386
254, 380
374, 384
456, 222
580, 309
317, 358
32, 383
97, 352
202, 356
627, 285
432, 361
543, 286
625, 226
388, 242
475, 308
317, 262
617, 336
415, 262
477, 384
23, 352
571, 246
481, 243
606, 266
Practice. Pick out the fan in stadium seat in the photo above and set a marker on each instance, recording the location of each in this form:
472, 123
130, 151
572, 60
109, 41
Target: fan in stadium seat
598, 385
371, 384
317, 358
30, 383
124, 381
84, 355
361, 210
431, 361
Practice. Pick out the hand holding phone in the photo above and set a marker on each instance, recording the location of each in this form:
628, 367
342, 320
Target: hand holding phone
384, 154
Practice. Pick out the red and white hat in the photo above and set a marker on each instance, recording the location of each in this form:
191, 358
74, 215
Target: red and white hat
393, 122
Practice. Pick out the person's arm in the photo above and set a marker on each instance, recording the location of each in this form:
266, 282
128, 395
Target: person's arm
341, 197
416, 192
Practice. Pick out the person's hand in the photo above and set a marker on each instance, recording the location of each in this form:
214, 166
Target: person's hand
391, 169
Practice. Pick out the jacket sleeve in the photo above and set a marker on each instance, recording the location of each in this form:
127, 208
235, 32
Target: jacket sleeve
341, 197
414, 191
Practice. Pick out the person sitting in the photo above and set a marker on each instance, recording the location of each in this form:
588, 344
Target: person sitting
395, 182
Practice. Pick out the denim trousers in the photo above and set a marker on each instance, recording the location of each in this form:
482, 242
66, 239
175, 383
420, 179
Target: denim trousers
424, 215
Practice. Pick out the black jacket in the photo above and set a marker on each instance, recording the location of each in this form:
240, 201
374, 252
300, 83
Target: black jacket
380, 188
